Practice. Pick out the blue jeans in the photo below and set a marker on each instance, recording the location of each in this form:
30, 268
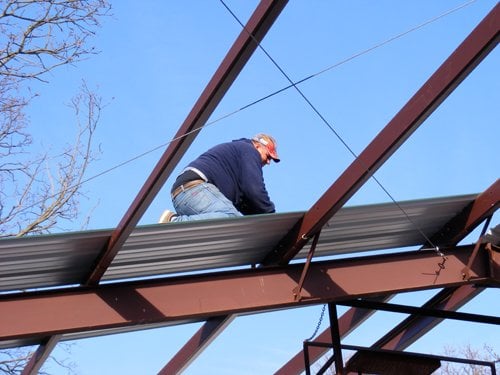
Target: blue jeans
203, 201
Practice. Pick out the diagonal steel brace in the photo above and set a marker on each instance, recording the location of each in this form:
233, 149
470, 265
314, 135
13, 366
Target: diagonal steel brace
298, 288
466, 271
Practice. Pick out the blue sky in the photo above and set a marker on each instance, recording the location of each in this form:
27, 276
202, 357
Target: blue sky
157, 57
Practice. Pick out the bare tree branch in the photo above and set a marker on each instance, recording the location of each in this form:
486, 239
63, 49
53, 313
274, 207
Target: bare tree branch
468, 352
50, 187
36, 36
39, 192
13, 362
40, 35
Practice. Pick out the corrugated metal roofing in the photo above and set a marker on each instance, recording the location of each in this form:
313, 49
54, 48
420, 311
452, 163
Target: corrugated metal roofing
66, 259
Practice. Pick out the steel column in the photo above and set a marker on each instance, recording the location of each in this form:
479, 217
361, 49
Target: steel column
335, 333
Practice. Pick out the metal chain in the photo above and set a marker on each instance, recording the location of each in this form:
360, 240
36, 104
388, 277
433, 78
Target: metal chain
319, 323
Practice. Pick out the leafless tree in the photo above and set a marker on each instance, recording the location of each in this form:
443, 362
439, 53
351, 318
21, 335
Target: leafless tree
38, 192
36, 36
486, 353
13, 362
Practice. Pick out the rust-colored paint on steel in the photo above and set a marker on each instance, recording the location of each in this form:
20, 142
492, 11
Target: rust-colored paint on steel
451, 298
41, 314
494, 252
414, 327
196, 344
259, 23
203, 337
40, 356
482, 207
448, 76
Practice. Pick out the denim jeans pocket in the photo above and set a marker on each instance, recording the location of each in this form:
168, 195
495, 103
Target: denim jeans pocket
203, 199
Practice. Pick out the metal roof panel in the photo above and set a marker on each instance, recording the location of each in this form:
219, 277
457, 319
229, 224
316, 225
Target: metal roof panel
159, 249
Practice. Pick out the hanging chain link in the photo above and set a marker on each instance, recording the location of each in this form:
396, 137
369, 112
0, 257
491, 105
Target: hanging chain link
319, 323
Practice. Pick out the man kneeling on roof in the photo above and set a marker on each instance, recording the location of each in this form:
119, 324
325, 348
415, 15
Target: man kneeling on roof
225, 181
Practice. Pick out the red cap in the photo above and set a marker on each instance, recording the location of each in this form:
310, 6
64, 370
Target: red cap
269, 143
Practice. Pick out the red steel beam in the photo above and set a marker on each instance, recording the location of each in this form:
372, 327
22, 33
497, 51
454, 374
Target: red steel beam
210, 329
41, 314
484, 206
351, 191
453, 232
414, 327
475, 213
259, 23
300, 242
40, 356
196, 344
449, 75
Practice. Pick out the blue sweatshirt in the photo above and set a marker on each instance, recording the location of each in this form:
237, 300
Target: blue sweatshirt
236, 169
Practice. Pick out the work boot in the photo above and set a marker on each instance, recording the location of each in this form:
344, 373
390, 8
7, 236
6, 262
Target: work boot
166, 217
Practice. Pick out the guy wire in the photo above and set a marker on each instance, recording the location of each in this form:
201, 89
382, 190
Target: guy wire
294, 85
